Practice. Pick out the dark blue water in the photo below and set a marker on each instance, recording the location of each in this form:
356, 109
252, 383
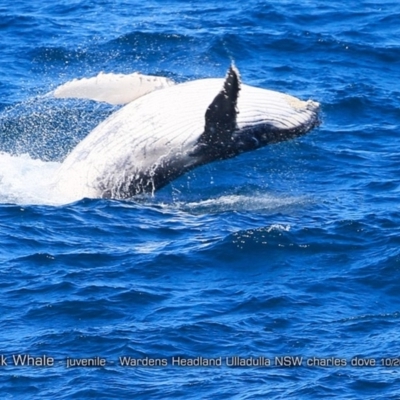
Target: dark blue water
292, 250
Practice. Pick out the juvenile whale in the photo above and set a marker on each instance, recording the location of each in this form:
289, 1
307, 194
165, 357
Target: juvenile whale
163, 134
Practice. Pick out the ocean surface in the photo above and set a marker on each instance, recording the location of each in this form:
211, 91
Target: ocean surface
273, 275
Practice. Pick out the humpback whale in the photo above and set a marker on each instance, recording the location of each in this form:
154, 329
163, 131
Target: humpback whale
163, 134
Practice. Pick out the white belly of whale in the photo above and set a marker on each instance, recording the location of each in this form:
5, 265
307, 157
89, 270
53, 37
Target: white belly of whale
162, 128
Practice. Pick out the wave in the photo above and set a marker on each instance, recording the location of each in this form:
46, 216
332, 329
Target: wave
258, 201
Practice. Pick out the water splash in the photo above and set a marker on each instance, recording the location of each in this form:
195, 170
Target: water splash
24, 180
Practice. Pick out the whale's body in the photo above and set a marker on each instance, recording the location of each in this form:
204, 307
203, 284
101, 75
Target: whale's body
160, 136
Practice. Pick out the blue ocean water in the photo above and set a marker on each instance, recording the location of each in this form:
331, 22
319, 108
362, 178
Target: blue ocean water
289, 251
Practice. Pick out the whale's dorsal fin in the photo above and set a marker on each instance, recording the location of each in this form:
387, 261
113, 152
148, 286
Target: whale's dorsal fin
220, 117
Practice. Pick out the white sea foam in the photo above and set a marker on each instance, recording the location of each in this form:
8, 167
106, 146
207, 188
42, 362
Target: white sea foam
256, 202
24, 180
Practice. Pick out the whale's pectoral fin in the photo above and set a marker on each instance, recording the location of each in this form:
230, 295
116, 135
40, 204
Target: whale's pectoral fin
112, 88
220, 120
